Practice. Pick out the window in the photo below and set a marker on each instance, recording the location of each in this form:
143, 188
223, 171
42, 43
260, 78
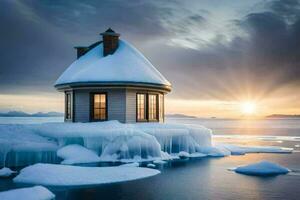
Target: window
99, 108
68, 106
141, 107
149, 107
152, 107
161, 107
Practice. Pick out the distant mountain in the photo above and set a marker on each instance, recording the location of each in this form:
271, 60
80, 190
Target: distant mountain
282, 116
179, 116
24, 114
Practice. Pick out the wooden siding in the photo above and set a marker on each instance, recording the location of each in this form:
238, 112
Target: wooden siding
116, 103
131, 106
121, 104
81, 106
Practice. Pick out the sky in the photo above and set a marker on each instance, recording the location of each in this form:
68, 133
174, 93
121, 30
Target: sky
218, 55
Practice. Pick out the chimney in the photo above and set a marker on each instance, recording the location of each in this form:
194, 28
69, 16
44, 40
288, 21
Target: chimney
81, 51
110, 41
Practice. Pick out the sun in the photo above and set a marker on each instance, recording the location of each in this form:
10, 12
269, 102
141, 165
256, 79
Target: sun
248, 108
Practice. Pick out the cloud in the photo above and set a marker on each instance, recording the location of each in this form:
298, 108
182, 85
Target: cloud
203, 56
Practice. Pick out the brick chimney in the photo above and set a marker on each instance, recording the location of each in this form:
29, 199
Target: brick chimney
110, 41
81, 51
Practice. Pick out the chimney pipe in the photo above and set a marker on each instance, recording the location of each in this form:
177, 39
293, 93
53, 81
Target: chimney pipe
110, 41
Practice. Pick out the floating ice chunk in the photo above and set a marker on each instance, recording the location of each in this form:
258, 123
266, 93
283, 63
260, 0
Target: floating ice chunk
197, 155
134, 164
215, 151
183, 154
74, 154
67, 175
240, 150
6, 172
263, 168
30, 193
150, 165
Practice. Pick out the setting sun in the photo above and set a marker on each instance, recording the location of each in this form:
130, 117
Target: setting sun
248, 108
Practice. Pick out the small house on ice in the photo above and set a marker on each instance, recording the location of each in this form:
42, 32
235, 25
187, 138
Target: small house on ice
112, 80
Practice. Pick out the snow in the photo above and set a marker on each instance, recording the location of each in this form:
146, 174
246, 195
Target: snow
6, 172
263, 168
74, 154
150, 165
127, 64
30, 193
183, 154
159, 162
67, 175
134, 164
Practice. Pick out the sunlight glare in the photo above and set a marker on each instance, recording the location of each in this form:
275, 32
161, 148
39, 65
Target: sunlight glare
248, 108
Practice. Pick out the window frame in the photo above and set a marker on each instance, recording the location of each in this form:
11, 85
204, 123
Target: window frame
67, 111
161, 107
92, 96
145, 107
156, 107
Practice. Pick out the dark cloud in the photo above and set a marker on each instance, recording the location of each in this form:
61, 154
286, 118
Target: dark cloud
38, 37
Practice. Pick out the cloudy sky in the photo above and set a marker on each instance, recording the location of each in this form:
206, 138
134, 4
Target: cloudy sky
216, 54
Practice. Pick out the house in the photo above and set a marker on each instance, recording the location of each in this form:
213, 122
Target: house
112, 80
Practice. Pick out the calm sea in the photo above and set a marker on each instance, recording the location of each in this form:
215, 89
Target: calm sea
206, 178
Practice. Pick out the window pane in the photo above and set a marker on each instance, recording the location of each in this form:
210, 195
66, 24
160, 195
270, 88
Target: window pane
68, 106
152, 107
141, 107
161, 107
99, 108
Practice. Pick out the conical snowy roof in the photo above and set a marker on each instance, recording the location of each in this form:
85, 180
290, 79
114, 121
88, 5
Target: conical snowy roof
126, 66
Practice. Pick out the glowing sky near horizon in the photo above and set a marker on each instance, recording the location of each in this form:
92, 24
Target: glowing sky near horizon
216, 54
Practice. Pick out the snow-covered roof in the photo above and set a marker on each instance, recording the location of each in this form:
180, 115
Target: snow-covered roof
125, 66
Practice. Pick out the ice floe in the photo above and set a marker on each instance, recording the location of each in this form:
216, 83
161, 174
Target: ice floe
74, 154
241, 150
29, 193
68, 175
263, 168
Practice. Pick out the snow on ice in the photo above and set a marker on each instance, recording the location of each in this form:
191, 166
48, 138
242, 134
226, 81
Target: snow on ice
66, 175
6, 172
263, 168
30, 193
75, 154
111, 141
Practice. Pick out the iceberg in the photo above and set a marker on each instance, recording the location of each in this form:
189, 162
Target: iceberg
75, 154
30, 193
68, 175
112, 141
263, 168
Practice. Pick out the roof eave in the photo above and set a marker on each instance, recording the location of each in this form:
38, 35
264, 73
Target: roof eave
66, 86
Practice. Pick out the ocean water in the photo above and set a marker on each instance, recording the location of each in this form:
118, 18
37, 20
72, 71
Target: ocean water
206, 178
